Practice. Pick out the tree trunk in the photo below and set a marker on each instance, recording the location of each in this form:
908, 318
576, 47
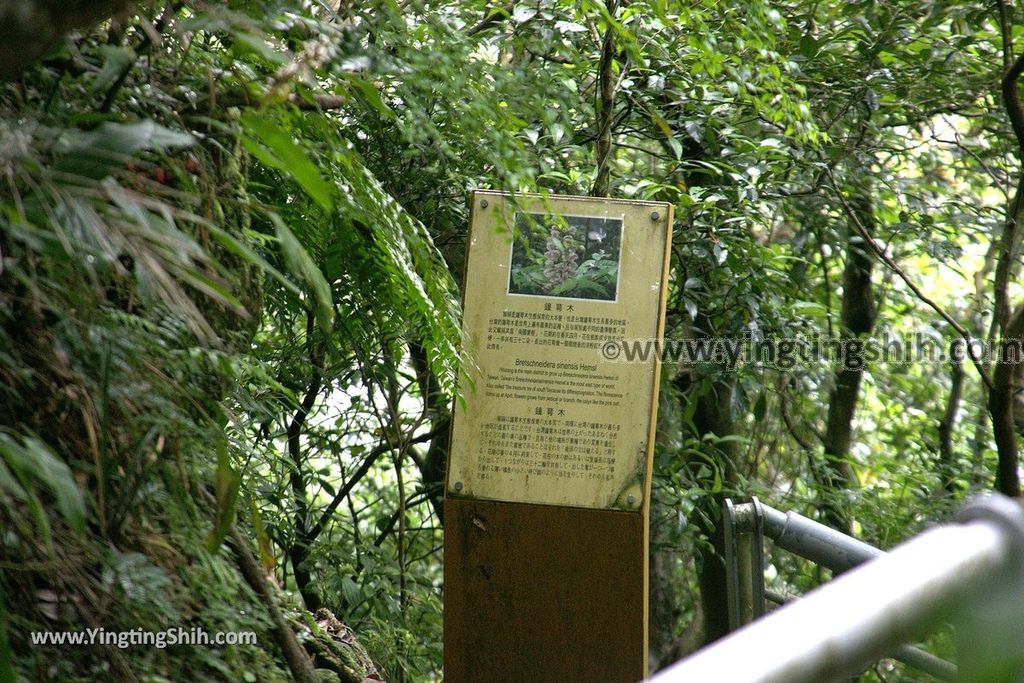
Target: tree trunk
605, 111
857, 319
713, 415
1007, 327
296, 657
432, 464
298, 551
947, 458
1000, 405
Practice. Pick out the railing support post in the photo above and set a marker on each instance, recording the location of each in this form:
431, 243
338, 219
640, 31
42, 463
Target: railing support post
744, 561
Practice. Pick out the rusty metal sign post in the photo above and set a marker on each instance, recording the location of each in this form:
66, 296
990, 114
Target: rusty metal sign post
548, 484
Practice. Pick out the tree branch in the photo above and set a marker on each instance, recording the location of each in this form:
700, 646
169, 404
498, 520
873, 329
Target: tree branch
921, 296
801, 441
150, 35
368, 462
295, 656
239, 98
298, 552
389, 527
492, 18
557, 59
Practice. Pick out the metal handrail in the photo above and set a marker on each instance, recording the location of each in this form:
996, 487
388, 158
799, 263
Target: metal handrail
815, 541
910, 655
746, 525
842, 627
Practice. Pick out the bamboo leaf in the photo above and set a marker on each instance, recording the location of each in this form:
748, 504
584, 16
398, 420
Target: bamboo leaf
33, 462
228, 481
262, 539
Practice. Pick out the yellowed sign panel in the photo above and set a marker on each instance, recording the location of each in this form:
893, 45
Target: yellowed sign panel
550, 416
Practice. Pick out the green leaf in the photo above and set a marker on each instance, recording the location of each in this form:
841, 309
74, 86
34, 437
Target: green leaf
302, 266
243, 251
270, 144
350, 591
32, 461
808, 46
370, 95
228, 481
116, 60
760, 407
96, 153
262, 539
10, 485
247, 43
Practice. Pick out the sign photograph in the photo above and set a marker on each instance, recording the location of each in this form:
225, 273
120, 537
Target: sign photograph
547, 419
571, 257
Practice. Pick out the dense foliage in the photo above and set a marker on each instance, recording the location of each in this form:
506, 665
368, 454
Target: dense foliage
230, 237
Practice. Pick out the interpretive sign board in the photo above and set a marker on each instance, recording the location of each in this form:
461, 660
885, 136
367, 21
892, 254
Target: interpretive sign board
547, 497
552, 414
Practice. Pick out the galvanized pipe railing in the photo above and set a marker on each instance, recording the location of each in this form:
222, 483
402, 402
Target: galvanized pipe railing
814, 541
746, 524
910, 655
844, 626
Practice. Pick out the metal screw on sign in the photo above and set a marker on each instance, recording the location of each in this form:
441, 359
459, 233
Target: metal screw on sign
655, 216
630, 499
483, 204
458, 486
